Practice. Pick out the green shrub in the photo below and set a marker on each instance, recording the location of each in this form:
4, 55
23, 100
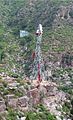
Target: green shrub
12, 115
66, 108
71, 111
4, 84
42, 114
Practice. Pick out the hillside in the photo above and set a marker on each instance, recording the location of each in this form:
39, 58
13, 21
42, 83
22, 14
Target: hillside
22, 15
56, 17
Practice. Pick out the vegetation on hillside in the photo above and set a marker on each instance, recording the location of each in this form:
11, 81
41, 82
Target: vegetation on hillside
16, 53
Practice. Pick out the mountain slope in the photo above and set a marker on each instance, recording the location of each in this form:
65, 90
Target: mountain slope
56, 18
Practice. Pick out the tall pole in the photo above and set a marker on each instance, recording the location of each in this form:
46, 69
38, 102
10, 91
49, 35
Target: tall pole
38, 72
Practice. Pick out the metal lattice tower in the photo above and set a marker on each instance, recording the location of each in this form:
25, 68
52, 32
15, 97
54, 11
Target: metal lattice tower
38, 72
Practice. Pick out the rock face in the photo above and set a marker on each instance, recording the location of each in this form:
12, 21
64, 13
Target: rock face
45, 92
54, 102
49, 96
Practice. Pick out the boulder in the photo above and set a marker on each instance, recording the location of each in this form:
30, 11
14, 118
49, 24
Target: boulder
23, 109
33, 92
12, 103
23, 101
34, 95
9, 97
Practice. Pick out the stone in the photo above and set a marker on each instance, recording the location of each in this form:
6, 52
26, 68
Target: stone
34, 95
36, 101
1, 84
42, 90
49, 73
51, 89
33, 92
12, 103
68, 82
2, 106
23, 109
58, 118
13, 85
9, 97
23, 101
23, 118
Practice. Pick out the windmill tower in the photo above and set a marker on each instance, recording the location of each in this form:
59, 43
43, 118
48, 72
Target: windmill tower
38, 72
